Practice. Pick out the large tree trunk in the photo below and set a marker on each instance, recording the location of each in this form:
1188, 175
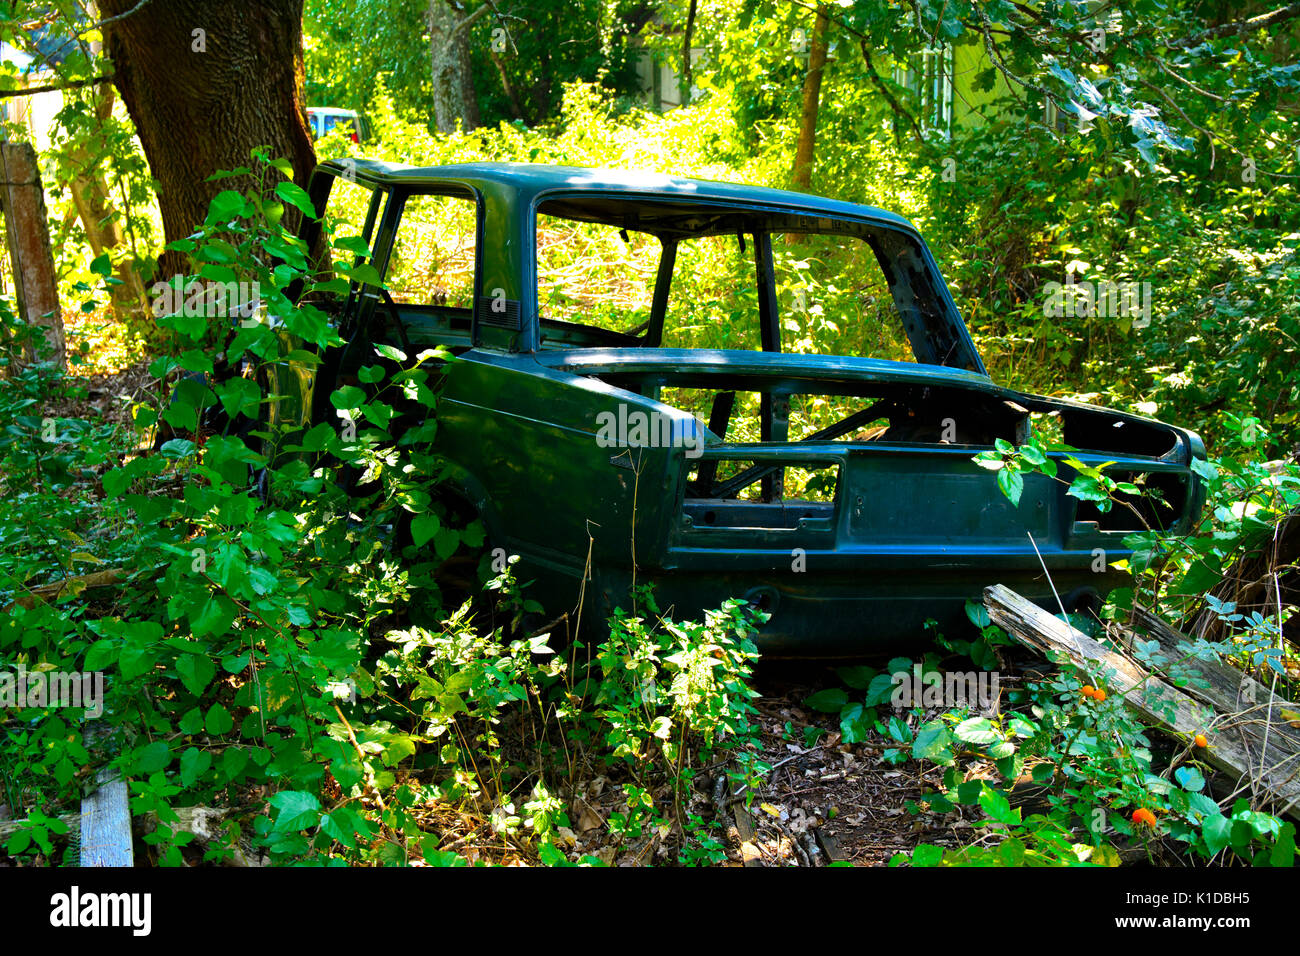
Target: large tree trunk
454, 98
206, 81
812, 91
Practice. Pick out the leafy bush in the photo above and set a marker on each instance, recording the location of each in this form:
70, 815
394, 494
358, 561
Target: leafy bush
274, 626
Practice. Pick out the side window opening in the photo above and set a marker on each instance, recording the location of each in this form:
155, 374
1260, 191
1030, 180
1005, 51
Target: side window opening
434, 259
429, 262
839, 287
596, 275
834, 297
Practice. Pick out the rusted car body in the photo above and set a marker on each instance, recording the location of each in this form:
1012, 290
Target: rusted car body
838, 492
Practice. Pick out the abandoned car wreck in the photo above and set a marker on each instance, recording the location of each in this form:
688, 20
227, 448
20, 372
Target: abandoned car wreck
651, 426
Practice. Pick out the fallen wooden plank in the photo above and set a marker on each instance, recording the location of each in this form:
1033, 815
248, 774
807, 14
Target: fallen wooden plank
1228, 690
106, 819
750, 855
74, 586
830, 844
9, 827
1236, 740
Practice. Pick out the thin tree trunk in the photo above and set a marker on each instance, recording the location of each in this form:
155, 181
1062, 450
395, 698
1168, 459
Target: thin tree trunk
205, 82
99, 217
516, 104
889, 98
688, 38
812, 91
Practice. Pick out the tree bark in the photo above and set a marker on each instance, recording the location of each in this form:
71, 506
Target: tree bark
454, 98
206, 81
812, 91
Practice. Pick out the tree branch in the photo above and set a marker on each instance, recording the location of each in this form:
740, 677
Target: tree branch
53, 87
888, 96
114, 19
1261, 22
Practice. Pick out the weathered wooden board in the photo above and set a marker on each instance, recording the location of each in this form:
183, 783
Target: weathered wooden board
1237, 740
9, 827
106, 820
1229, 689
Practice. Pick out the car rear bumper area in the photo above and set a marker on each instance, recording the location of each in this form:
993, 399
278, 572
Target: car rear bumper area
849, 615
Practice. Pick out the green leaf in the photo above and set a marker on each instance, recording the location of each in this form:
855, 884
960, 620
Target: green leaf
927, 855
194, 764
858, 676
297, 197
233, 762
880, 690
932, 743
1217, 833
349, 396
337, 826
218, 720
135, 661
298, 810
445, 542
976, 730
1283, 852
192, 722
1190, 778
998, 807
101, 654
829, 701
1011, 484
226, 205
152, 757
196, 671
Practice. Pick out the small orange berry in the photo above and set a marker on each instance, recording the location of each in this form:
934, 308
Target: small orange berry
1144, 816
1200, 740
1099, 696
1088, 690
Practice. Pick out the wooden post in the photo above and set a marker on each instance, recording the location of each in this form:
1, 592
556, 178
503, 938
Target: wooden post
28, 237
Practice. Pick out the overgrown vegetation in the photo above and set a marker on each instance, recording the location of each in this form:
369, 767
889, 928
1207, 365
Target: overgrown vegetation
278, 644
301, 628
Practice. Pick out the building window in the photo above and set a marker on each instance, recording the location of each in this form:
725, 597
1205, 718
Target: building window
928, 75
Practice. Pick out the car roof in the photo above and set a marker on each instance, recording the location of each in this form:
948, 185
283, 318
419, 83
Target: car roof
531, 180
